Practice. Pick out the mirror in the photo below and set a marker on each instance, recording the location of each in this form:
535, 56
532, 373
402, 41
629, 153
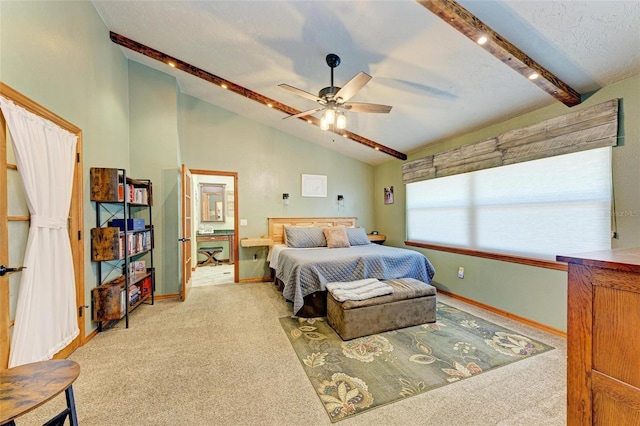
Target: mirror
212, 200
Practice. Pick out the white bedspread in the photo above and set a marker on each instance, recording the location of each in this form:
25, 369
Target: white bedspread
358, 290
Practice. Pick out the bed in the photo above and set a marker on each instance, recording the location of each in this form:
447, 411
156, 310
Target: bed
303, 265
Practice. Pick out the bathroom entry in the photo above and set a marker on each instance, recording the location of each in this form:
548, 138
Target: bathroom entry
215, 226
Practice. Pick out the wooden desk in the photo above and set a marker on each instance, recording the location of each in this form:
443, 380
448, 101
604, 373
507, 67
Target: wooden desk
28, 386
229, 238
603, 355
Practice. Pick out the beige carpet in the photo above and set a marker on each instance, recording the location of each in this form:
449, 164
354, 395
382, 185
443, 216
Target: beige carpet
222, 358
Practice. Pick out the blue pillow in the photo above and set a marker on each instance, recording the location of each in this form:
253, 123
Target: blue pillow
358, 236
305, 236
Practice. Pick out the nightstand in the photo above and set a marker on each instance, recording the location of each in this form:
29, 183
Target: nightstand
256, 242
378, 239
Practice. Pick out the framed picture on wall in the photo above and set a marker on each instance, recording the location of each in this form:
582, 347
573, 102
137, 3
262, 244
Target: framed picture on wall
314, 186
388, 194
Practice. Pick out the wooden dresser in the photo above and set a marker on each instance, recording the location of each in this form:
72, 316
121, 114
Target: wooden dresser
603, 338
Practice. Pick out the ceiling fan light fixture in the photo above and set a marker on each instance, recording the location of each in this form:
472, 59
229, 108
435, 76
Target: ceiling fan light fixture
334, 101
324, 124
330, 116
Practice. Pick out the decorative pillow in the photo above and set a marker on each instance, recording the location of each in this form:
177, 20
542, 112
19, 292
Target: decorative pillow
336, 237
358, 237
304, 237
297, 225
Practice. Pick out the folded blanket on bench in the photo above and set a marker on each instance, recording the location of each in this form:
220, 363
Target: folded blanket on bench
358, 290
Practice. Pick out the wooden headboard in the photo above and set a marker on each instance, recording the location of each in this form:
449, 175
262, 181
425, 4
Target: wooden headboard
277, 224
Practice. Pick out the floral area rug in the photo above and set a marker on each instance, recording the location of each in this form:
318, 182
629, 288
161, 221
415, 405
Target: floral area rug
357, 375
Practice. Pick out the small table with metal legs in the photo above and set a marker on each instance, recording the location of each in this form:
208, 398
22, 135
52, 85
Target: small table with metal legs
28, 386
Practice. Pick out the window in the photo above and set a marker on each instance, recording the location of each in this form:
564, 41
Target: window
540, 208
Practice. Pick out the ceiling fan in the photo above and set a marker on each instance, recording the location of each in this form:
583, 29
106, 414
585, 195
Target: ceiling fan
333, 100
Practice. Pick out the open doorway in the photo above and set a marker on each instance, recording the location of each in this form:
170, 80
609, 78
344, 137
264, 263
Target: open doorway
214, 227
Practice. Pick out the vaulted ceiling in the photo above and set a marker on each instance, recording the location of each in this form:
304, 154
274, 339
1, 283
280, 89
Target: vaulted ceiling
438, 80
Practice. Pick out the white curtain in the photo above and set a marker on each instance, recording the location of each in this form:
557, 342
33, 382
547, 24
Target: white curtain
46, 319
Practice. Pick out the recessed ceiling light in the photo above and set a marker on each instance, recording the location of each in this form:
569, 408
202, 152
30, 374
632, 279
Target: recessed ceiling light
377, 148
533, 75
482, 40
309, 121
171, 64
224, 86
344, 135
270, 106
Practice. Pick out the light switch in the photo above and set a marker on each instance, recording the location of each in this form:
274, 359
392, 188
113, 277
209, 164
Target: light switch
243, 222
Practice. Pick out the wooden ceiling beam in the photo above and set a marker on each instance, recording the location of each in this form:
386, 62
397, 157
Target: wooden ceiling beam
242, 91
469, 25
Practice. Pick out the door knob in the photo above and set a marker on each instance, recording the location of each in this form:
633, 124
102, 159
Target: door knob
4, 270
184, 240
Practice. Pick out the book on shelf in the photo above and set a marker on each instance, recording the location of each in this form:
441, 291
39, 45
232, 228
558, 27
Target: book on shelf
134, 294
145, 286
123, 301
137, 267
120, 185
137, 242
137, 195
121, 248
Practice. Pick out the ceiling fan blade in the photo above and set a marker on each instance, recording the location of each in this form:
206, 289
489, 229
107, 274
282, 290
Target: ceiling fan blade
300, 92
352, 87
363, 107
302, 114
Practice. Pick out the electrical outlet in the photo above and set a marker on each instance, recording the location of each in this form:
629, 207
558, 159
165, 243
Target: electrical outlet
461, 272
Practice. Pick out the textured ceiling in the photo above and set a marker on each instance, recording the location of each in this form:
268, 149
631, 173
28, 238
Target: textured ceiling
439, 82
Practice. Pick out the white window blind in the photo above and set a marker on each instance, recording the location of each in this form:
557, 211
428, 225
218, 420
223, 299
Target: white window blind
541, 208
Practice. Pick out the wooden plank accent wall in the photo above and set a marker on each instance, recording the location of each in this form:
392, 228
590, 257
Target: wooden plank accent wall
589, 128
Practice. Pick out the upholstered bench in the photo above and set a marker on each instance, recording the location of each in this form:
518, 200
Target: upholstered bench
210, 253
412, 302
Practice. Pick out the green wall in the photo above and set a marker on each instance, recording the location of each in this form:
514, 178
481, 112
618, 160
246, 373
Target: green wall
269, 163
153, 101
535, 293
59, 55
